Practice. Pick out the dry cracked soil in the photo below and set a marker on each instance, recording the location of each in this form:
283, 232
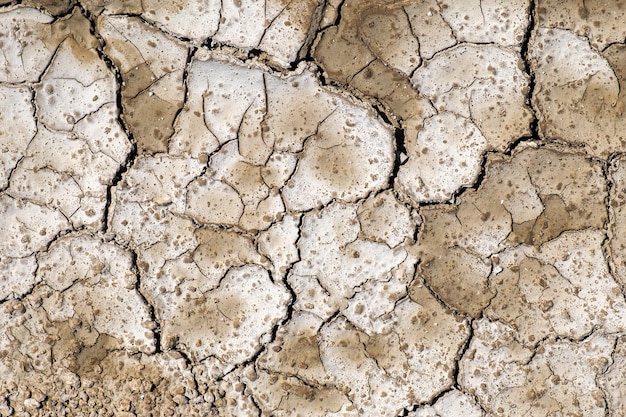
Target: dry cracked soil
312, 208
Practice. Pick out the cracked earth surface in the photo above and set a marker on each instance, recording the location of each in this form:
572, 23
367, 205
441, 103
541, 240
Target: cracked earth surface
315, 208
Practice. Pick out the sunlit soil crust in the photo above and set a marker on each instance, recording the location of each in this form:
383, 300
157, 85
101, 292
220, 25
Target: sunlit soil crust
314, 208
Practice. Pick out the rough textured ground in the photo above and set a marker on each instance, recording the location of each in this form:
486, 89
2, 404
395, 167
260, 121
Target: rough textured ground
315, 208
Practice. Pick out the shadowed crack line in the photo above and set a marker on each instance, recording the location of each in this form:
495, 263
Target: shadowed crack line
534, 124
132, 154
157, 330
399, 151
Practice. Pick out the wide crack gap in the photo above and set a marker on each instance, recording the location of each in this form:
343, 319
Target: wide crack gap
524, 51
253, 57
400, 151
135, 268
339, 13
306, 50
132, 154
11, 4
534, 124
607, 169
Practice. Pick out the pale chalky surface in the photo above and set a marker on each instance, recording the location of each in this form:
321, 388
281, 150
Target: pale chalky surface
312, 208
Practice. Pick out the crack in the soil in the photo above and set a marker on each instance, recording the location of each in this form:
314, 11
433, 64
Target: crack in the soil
260, 57
607, 168
156, 331
132, 154
534, 125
